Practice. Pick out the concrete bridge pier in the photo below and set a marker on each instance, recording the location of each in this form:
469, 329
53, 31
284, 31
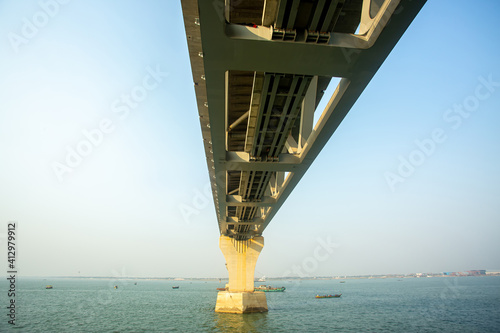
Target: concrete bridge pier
241, 258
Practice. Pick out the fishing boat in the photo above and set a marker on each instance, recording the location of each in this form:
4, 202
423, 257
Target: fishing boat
175, 287
329, 296
269, 288
49, 287
221, 289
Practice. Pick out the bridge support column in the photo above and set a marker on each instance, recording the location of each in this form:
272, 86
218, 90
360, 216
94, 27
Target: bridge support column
241, 258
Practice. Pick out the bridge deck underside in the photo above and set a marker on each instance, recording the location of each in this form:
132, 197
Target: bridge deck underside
260, 70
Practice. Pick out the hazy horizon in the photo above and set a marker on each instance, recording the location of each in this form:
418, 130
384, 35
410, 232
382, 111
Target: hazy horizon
103, 166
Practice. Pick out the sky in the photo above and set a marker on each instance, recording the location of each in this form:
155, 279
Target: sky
408, 183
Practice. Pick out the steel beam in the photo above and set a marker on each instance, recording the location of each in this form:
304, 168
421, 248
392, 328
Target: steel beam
216, 47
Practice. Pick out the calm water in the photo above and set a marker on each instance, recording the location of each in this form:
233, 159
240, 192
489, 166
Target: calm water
467, 304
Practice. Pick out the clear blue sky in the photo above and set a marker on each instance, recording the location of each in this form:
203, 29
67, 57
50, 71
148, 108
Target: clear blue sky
118, 211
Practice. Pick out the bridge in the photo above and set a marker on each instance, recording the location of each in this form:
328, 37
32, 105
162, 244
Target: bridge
260, 69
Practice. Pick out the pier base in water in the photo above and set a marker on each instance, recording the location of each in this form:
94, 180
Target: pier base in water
241, 302
241, 258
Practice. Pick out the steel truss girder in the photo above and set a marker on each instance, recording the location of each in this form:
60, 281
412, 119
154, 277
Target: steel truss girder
216, 47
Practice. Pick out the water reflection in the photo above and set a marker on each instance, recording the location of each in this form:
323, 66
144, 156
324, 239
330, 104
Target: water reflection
249, 322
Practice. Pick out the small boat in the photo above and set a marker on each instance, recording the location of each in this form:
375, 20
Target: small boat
342, 281
329, 296
49, 287
175, 287
221, 289
116, 287
269, 288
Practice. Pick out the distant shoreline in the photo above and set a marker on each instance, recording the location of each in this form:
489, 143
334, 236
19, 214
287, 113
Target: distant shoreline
295, 278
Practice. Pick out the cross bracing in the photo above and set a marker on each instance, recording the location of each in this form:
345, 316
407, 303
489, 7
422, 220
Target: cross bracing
260, 69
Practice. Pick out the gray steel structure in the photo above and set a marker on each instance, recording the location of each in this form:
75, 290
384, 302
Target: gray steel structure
260, 68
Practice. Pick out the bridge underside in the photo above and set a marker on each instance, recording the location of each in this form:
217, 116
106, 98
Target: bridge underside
260, 69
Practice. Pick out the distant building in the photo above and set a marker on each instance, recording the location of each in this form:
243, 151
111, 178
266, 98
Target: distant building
477, 272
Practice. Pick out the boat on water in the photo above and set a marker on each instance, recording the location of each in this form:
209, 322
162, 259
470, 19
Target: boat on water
116, 287
221, 289
329, 296
269, 288
49, 287
342, 281
175, 287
